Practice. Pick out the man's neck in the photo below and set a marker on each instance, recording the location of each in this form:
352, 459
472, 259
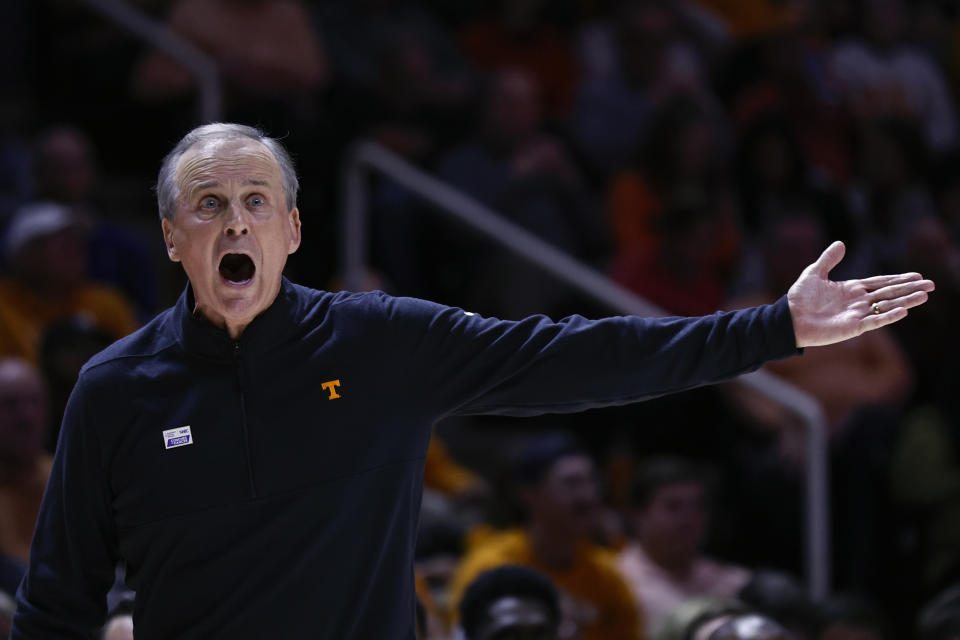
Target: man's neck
234, 329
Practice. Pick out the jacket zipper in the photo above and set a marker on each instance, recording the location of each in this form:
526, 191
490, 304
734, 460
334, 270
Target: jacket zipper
241, 385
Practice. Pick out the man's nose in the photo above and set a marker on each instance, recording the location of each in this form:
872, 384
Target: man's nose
236, 222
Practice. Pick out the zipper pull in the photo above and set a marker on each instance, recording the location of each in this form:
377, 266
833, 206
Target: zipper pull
238, 360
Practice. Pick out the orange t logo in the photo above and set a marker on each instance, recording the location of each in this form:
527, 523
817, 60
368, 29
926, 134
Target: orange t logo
331, 386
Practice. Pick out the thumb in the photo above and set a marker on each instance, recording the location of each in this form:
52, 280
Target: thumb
829, 259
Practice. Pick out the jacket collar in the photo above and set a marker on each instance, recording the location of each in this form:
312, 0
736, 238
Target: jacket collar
198, 336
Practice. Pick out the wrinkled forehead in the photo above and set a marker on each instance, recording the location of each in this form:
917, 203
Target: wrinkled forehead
225, 162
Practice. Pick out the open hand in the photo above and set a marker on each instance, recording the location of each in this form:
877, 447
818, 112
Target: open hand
825, 311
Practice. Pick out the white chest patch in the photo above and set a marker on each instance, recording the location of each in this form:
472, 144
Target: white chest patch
179, 437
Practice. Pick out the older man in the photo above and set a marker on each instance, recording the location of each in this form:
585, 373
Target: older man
255, 453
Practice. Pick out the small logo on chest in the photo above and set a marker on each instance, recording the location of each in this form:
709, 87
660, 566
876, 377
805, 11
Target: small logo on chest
179, 437
331, 387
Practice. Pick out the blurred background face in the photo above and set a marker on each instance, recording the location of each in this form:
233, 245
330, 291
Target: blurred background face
673, 523
66, 169
22, 409
55, 261
568, 497
512, 618
514, 107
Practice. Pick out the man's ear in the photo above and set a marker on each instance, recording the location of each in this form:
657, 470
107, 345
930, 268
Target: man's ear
295, 231
168, 240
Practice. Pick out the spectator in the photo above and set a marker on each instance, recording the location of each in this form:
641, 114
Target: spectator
889, 196
664, 564
781, 597
741, 627
67, 174
440, 544
750, 18
517, 37
881, 75
558, 487
773, 173
678, 274
511, 602
925, 475
444, 474
413, 87
24, 465
940, 618
633, 60
680, 166
264, 49
65, 346
44, 245
361, 35
528, 176
848, 617
16, 181
719, 619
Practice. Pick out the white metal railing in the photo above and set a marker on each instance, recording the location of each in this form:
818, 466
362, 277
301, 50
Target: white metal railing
366, 156
202, 66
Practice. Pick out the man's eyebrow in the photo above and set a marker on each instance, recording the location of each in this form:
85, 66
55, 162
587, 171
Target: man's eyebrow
207, 184
258, 182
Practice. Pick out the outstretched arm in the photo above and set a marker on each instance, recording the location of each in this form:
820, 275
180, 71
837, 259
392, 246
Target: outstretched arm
825, 312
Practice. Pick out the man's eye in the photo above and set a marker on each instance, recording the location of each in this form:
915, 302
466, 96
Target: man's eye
208, 203
256, 201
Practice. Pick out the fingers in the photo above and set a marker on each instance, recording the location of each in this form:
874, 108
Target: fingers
872, 322
893, 291
830, 258
907, 302
878, 282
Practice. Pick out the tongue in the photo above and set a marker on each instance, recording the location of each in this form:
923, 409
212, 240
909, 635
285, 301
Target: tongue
237, 267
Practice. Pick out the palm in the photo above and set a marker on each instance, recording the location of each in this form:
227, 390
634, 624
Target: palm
825, 311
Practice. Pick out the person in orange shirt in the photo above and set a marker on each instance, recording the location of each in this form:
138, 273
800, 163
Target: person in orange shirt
44, 247
559, 489
24, 466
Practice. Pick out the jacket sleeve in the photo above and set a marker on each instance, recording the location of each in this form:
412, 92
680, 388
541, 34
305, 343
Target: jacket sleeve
73, 554
467, 364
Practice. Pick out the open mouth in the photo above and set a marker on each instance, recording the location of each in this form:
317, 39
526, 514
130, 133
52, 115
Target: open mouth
237, 268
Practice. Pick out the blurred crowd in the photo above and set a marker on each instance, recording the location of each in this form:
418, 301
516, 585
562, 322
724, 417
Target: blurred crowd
699, 152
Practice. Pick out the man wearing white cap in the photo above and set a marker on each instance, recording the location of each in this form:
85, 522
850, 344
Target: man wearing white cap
45, 252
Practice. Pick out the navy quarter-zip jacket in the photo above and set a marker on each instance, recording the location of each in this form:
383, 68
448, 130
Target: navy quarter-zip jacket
288, 508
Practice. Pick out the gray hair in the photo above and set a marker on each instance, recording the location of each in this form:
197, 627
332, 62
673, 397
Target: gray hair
167, 188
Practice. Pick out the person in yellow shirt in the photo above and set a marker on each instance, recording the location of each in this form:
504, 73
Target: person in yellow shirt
24, 465
559, 489
45, 250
